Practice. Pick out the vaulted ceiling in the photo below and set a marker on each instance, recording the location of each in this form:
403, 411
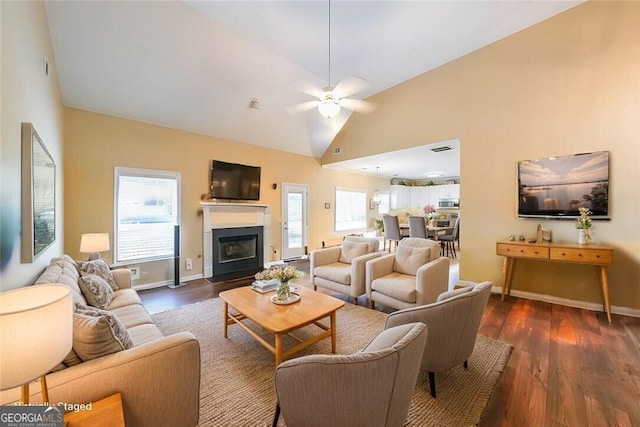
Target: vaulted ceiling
196, 65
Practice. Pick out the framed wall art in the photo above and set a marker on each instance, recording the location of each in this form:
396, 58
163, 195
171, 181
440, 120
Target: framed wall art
38, 195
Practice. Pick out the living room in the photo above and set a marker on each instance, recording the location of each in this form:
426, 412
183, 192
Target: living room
567, 85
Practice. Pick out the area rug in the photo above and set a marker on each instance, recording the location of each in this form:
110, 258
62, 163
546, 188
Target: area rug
237, 373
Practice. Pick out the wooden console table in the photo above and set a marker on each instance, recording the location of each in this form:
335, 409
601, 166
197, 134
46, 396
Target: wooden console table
600, 256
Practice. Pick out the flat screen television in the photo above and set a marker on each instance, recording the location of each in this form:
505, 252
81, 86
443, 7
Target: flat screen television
557, 187
233, 181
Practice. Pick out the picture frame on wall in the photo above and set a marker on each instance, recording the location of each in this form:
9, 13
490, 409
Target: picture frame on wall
38, 195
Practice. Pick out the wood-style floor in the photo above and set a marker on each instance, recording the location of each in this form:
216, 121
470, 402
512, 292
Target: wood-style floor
569, 366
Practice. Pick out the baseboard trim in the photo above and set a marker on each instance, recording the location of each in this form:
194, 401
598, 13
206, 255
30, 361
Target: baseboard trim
625, 311
166, 282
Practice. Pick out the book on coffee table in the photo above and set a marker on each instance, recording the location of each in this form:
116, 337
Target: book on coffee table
264, 285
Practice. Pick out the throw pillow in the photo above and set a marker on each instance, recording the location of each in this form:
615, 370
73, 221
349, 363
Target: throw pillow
96, 291
409, 259
97, 267
97, 333
351, 250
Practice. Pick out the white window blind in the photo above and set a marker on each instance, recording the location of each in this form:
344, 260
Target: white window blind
351, 209
147, 208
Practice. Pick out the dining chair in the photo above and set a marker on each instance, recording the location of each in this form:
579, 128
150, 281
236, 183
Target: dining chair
448, 240
417, 227
391, 230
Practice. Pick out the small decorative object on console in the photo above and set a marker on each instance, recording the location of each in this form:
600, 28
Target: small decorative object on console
583, 225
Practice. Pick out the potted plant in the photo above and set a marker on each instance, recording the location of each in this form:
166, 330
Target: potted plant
379, 225
583, 225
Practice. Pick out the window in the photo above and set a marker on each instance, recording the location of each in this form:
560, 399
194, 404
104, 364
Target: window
147, 207
351, 209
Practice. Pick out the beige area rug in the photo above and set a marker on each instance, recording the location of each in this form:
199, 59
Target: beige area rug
237, 386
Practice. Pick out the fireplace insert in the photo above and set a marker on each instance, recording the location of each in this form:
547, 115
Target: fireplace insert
237, 252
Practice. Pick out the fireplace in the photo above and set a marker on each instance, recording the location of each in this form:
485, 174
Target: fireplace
237, 252
229, 215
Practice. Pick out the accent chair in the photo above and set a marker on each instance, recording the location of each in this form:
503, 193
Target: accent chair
342, 268
452, 321
415, 274
372, 387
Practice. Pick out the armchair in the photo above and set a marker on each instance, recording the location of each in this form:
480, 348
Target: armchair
342, 268
412, 276
373, 387
453, 322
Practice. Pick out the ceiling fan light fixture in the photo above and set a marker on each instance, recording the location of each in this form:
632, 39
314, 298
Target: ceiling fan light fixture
329, 107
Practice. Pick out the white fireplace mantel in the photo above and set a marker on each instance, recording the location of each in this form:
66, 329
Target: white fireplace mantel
231, 215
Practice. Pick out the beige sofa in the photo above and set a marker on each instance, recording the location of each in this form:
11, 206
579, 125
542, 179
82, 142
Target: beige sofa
159, 377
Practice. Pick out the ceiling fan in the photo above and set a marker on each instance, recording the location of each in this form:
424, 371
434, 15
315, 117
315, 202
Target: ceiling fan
330, 100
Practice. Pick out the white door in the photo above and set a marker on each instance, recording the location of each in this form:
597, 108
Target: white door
294, 220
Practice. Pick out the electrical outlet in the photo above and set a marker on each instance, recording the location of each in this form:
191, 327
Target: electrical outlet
188, 265
135, 273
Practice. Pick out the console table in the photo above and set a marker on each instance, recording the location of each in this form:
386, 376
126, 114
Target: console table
600, 256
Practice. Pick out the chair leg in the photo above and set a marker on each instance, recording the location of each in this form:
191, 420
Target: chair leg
276, 415
432, 384
355, 300
372, 304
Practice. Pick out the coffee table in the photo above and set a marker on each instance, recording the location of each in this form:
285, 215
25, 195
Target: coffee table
281, 320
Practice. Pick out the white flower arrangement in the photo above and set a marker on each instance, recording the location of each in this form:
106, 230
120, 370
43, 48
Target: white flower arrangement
584, 221
279, 272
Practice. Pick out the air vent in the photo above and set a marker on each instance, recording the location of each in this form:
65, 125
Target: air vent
337, 150
440, 149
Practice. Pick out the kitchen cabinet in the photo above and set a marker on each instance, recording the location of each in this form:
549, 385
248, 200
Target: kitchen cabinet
416, 197
400, 196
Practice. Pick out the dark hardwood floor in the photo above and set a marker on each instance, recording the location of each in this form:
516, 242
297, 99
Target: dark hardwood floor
569, 366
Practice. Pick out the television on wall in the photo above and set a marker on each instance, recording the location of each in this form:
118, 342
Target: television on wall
233, 181
556, 187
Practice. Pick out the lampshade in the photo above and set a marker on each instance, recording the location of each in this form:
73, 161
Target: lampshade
329, 108
35, 332
94, 242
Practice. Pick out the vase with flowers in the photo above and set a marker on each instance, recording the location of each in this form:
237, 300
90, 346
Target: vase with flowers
430, 213
583, 224
283, 274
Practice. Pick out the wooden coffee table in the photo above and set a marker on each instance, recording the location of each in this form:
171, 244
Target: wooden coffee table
282, 320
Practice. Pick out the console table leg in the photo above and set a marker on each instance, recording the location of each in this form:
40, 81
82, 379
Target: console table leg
506, 277
604, 281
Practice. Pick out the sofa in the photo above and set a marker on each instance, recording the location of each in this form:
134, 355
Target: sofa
158, 376
342, 268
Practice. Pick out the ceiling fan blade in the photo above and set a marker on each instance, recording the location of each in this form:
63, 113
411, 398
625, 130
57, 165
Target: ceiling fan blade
350, 85
308, 87
358, 105
302, 107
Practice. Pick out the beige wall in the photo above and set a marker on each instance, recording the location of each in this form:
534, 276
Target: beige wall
568, 85
28, 95
95, 144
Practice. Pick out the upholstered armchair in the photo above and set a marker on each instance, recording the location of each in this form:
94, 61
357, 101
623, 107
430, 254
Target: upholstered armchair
370, 388
342, 268
452, 322
414, 275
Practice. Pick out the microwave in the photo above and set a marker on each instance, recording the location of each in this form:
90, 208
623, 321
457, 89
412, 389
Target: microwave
449, 204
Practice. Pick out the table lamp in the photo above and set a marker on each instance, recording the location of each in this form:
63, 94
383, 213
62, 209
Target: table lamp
94, 243
36, 324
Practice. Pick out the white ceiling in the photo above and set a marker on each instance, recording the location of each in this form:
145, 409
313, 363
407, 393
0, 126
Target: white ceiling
196, 65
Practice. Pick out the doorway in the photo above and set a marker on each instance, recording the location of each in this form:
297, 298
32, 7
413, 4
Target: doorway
295, 215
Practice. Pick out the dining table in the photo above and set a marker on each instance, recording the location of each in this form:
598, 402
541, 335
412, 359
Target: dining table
404, 230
